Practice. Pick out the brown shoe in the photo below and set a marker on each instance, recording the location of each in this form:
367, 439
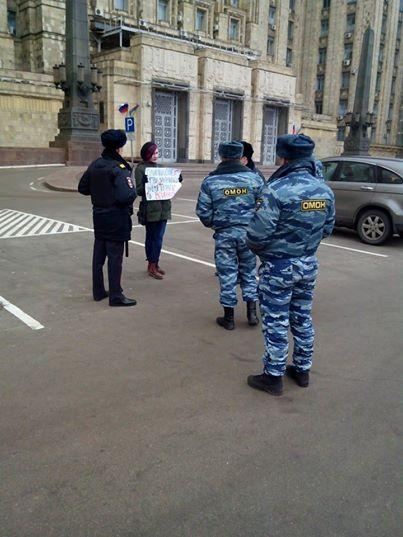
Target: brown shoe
160, 270
153, 272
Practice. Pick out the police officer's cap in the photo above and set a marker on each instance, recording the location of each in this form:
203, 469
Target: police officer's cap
294, 146
113, 138
231, 150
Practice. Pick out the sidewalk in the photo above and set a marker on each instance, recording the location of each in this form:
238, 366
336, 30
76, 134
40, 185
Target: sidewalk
66, 179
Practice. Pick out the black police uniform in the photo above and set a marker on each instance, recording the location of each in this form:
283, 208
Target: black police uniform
108, 181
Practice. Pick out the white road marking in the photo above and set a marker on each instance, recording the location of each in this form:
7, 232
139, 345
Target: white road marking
186, 199
18, 224
353, 249
39, 181
12, 222
22, 316
194, 221
185, 216
32, 166
181, 256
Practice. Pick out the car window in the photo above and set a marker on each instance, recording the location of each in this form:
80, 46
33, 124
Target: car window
328, 170
356, 172
389, 178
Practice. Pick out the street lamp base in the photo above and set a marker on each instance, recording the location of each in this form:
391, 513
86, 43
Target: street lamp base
79, 152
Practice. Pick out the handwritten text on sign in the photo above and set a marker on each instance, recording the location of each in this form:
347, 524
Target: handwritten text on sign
163, 183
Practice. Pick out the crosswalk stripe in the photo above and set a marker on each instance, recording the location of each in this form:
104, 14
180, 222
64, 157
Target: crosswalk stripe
18, 224
10, 223
16, 228
5, 215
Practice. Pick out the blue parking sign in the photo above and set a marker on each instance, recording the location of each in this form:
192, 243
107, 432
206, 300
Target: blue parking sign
130, 125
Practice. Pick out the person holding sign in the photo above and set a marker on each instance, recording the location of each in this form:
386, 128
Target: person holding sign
156, 186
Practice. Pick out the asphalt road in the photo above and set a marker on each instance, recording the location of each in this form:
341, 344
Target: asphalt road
138, 422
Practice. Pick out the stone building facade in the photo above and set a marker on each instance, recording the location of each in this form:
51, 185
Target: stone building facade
204, 71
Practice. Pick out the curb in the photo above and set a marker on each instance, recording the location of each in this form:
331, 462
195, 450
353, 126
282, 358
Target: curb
59, 188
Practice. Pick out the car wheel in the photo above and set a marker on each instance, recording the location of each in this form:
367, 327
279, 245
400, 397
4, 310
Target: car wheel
374, 227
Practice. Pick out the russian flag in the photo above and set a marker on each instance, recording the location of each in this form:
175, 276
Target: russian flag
123, 108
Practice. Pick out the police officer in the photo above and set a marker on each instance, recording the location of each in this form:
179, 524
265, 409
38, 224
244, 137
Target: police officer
226, 203
108, 181
296, 213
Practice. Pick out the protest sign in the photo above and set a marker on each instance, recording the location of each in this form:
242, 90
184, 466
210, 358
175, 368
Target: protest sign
163, 183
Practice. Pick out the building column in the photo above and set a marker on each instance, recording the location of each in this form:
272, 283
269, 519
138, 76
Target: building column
194, 115
7, 59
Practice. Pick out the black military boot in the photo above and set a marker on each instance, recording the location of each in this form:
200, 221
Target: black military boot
300, 377
251, 313
227, 321
267, 383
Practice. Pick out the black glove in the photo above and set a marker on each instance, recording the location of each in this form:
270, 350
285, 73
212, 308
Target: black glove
180, 178
145, 180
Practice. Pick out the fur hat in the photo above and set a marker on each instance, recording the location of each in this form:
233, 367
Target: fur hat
294, 146
230, 150
113, 138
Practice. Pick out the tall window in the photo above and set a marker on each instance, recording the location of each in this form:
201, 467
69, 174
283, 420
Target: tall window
341, 134
342, 107
326, 3
234, 29
384, 23
270, 46
348, 51
378, 82
324, 27
319, 107
12, 22
373, 133
350, 22
288, 59
345, 79
201, 20
162, 11
290, 33
320, 82
292, 5
101, 112
235, 3
381, 52
120, 5
322, 55
272, 15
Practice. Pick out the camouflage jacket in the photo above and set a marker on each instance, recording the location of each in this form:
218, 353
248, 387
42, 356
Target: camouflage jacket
296, 212
228, 196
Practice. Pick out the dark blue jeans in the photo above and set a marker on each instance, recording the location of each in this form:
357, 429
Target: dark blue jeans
154, 236
114, 251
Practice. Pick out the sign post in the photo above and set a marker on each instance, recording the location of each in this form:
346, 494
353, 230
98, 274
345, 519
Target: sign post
130, 128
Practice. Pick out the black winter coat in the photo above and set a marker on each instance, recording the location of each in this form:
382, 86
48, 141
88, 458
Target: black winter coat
108, 181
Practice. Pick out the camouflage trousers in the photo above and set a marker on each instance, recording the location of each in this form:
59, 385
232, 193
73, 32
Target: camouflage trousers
285, 292
233, 258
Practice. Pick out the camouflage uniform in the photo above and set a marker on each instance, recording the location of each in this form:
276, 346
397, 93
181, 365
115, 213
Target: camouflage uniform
319, 170
226, 203
296, 212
